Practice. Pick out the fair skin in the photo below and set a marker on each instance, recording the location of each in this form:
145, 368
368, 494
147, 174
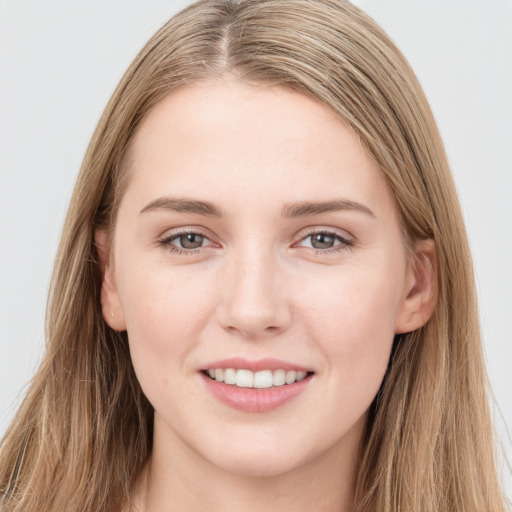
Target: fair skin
257, 275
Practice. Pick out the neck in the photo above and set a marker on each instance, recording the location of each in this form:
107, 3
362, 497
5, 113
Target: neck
178, 479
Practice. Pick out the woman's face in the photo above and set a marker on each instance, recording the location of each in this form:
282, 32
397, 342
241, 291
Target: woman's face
256, 239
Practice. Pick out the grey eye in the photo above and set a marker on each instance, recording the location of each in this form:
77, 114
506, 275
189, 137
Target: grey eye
322, 241
190, 240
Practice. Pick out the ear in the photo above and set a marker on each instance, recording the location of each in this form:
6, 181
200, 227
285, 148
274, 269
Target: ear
420, 291
109, 297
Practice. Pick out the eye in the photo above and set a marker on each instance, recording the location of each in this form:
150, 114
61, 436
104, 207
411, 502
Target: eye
185, 242
326, 241
189, 240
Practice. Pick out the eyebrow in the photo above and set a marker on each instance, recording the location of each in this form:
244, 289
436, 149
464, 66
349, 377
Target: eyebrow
310, 208
183, 206
291, 210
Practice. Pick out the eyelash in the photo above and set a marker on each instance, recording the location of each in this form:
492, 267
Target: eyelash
345, 241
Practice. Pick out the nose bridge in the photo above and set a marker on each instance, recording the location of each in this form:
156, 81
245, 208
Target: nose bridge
254, 301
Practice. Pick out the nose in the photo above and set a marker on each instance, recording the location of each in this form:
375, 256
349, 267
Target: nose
254, 303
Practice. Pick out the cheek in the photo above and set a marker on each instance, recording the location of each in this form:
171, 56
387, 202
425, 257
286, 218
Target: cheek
165, 312
352, 322
354, 302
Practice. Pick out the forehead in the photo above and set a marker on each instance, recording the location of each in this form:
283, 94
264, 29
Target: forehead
228, 140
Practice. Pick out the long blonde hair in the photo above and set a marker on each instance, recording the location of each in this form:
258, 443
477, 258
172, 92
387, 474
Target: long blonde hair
83, 432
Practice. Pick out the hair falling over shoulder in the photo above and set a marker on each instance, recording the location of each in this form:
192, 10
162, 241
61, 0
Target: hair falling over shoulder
84, 430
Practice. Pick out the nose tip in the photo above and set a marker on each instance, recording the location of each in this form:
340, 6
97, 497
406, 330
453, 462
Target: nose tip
254, 303
251, 326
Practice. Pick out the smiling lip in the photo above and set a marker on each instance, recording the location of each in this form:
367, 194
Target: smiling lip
257, 365
249, 399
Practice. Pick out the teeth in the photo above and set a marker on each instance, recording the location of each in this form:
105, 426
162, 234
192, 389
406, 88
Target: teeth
244, 378
259, 380
290, 377
301, 376
263, 379
279, 378
229, 376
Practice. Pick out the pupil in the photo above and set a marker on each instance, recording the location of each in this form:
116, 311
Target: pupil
191, 241
322, 241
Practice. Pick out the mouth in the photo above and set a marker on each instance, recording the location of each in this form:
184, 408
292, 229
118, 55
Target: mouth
262, 379
256, 386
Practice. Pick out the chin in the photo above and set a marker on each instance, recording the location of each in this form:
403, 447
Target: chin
261, 456
260, 467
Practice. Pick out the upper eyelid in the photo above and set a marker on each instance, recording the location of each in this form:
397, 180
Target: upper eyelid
167, 235
331, 231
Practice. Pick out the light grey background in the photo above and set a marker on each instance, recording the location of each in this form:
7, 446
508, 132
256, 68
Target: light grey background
60, 61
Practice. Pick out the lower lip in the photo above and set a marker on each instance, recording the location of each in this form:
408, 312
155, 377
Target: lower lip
252, 399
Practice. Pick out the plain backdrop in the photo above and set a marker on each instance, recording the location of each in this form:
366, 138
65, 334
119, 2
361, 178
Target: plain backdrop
61, 60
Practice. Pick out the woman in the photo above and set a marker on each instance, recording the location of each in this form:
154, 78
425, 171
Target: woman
263, 294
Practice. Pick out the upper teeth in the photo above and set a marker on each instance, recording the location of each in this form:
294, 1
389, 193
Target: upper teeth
262, 379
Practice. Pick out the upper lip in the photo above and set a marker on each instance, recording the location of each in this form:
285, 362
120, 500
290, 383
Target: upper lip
256, 365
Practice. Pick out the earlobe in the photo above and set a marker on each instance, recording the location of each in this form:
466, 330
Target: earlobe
420, 292
109, 296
